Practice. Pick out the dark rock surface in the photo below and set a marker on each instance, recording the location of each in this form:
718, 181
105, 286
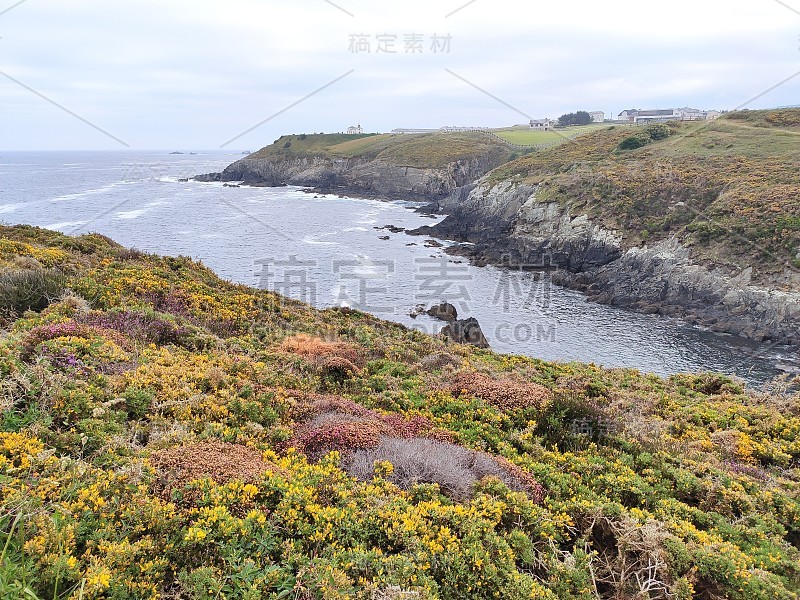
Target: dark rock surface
358, 176
465, 331
444, 311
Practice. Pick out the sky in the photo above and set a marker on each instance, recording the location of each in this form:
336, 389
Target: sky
196, 74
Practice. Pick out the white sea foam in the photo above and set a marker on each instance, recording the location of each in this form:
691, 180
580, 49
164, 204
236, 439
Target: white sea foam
131, 214
65, 225
314, 240
94, 192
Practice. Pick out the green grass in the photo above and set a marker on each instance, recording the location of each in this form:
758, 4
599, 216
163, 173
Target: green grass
422, 151
528, 137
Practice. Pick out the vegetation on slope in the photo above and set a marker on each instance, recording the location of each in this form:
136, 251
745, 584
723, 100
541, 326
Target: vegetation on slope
431, 150
165, 434
532, 137
727, 188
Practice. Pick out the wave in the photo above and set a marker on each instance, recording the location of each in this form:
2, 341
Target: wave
313, 240
77, 195
65, 225
131, 214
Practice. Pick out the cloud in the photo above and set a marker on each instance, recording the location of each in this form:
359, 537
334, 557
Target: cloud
189, 74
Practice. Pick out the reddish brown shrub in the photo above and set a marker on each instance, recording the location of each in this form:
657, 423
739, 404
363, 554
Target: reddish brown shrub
525, 479
311, 405
219, 461
502, 394
44, 333
332, 423
342, 436
314, 348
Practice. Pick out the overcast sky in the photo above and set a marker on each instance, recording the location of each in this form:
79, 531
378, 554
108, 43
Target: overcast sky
195, 74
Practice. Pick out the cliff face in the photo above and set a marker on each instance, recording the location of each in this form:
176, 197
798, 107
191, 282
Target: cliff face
508, 224
391, 177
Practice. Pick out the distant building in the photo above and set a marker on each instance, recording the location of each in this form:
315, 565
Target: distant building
692, 114
355, 130
695, 114
598, 116
454, 129
446, 129
634, 115
542, 124
686, 113
409, 131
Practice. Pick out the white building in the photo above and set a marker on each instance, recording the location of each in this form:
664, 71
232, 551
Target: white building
542, 124
407, 131
355, 130
598, 116
634, 115
686, 113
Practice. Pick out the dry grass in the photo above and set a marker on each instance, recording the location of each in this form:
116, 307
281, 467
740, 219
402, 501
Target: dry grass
631, 560
455, 469
438, 361
502, 394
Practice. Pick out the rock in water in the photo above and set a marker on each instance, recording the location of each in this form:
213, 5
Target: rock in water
444, 311
465, 331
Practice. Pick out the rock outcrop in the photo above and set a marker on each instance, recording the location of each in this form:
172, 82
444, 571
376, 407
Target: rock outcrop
465, 331
358, 176
444, 311
508, 224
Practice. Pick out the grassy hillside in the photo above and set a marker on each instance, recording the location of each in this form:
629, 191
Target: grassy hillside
728, 188
421, 150
164, 434
529, 137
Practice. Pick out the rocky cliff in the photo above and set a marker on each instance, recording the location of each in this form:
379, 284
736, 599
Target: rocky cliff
511, 224
427, 167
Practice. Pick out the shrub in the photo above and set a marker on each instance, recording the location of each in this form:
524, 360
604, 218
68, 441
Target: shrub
420, 461
218, 461
35, 289
147, 327
438, 361
638, 140
658, 131
332, 423
502, 394
68, 329
137, 402
339, 435
338, 360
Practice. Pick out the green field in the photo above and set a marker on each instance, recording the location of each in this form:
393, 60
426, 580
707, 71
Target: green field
431, 150
527, 137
